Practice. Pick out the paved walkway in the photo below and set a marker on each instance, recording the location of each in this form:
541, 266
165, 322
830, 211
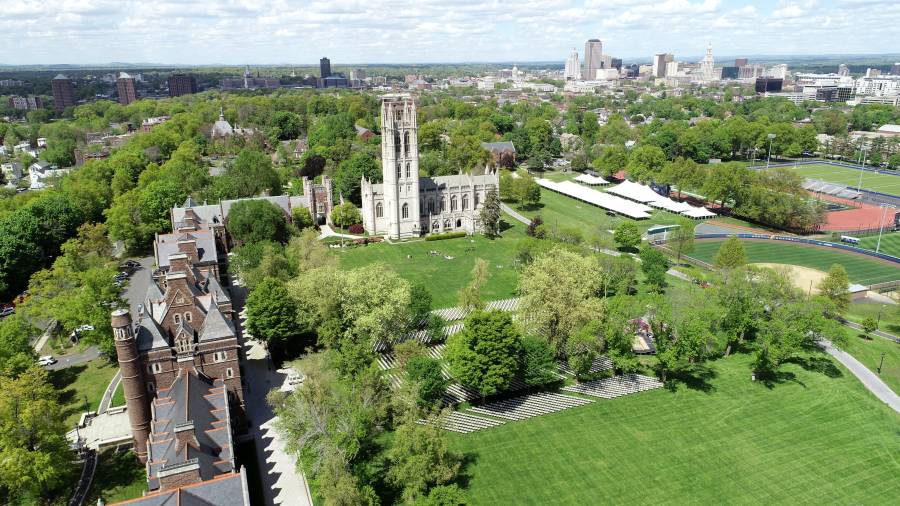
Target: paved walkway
510, 211
327, 231
878, 333
869, 379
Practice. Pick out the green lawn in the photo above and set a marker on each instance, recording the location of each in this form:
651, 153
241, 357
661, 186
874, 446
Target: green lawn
81, 387
890, 243
868, 351
443, 277
850, 177
861, 270
813, 438
120, 476
889, 320
118, 398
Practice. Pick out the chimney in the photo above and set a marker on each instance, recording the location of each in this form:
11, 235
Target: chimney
189, 248
185, 436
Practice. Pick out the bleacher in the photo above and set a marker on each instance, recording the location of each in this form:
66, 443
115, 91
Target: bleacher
817, 186
601, 363
617, 386
463, 423
531, 405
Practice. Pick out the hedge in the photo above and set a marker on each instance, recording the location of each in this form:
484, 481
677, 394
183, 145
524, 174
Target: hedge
446, 235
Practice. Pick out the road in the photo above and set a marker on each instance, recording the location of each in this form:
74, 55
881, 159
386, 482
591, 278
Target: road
878, 333
282, 483
81, 357
869, 379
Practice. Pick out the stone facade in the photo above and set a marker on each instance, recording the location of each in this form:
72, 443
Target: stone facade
406, 205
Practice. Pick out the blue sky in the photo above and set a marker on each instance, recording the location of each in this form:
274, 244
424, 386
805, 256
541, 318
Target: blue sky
391, 31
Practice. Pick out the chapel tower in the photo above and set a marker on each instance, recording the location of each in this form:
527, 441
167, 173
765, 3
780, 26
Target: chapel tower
133, 384
400, 166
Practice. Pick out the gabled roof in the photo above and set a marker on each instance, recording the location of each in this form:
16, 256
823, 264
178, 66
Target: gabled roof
496, 147
216, 326
189, 202
150, 336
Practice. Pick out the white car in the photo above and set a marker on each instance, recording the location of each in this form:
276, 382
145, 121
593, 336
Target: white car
295, 378
84, 328
46, 360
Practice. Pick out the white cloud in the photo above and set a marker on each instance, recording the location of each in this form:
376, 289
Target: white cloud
351, 31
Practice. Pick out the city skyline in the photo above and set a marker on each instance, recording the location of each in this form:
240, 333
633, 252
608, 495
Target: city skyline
284, 31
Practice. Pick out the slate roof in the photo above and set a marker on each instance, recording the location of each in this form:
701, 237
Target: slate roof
226, 490
167, 244
215, 325
150, 336
497, 147
197, 399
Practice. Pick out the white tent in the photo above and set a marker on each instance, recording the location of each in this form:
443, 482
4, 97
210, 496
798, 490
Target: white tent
591, 180
636, 192
599, 199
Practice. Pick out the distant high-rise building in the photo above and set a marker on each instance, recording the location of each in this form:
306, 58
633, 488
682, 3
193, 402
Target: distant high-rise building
768, 84
616, 63
659, 65
895, 70
740, 62
730, 72
182, 84
779, 71
26, 103
843, 70
125, 88
357, 74
573, 67
870, 72
324, 68
593, 56
63, 93
707, 64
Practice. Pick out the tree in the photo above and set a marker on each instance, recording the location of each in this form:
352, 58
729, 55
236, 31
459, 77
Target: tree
869, 325
349, 174
683, 173
16, 353
611, 160
684, 339
307, 252
302, 218
582, 348
731, 254
257, 220
425, 373
466, 154
536, 228
654, 266
271, 313
557, 295
286, 125
645, 163
836, 288
346, 214
789, 328
627, 236
250, 175
484, 355
681, 239
525, 190
419, 303
470, 295
34, 452
538, 362
420, 460
490, 214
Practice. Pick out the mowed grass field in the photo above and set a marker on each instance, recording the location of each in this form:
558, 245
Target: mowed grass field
850, 177
81, 387
862, 270
890, 243
816, 437
444, 278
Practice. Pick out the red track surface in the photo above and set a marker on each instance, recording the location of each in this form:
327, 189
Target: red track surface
865, 216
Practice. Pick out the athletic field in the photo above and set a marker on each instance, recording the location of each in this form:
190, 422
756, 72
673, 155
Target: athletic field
850, 177
862, 270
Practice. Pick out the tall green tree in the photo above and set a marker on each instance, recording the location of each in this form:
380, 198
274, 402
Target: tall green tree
420, 459
271, 313
627, 235
255, 221
836, 287
490, 214
485, 354
731, 254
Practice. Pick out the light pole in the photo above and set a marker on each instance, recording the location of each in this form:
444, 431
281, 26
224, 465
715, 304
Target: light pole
882, 363
861, 169
769, 157
884, 208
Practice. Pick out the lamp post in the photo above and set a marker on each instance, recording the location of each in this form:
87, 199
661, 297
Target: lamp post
882, 363
769, 157
884, 208
862, 169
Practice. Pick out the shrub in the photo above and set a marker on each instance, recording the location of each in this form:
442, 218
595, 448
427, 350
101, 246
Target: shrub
445, 235
356, 229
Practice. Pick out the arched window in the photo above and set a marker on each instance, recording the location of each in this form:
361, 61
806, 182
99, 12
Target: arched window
405, 211
407, 169
435, 226
447, 224
398, 170
465, 202
396, 144
430, 206
476, 201
188, 317
421, 207
443, 204
177, 319
406, 143
379, 210
183, 344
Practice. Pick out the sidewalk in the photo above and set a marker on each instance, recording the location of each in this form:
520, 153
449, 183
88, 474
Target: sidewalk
869, 379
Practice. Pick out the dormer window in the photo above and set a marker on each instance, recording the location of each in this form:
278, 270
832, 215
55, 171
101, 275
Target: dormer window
177, 319
183, 344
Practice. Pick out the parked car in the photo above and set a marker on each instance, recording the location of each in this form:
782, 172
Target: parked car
295, 378
84, 328
46, 360
130, 265
7, 311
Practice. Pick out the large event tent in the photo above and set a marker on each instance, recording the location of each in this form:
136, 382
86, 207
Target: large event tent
599, 199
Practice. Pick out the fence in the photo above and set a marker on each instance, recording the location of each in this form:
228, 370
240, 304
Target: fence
91, 459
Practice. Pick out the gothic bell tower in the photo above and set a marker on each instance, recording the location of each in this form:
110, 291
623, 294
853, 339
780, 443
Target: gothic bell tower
400, 166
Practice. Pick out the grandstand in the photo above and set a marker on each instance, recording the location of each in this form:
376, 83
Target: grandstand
836, 190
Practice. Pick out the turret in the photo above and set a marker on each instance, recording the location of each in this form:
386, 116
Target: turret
137, 403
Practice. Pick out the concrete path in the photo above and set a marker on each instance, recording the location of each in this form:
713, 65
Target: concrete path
869, 379
327, 231
510, 211
110, 391
878, 333
39, 344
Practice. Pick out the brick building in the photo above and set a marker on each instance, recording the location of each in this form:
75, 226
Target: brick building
182, 84
126, 89
63, 93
